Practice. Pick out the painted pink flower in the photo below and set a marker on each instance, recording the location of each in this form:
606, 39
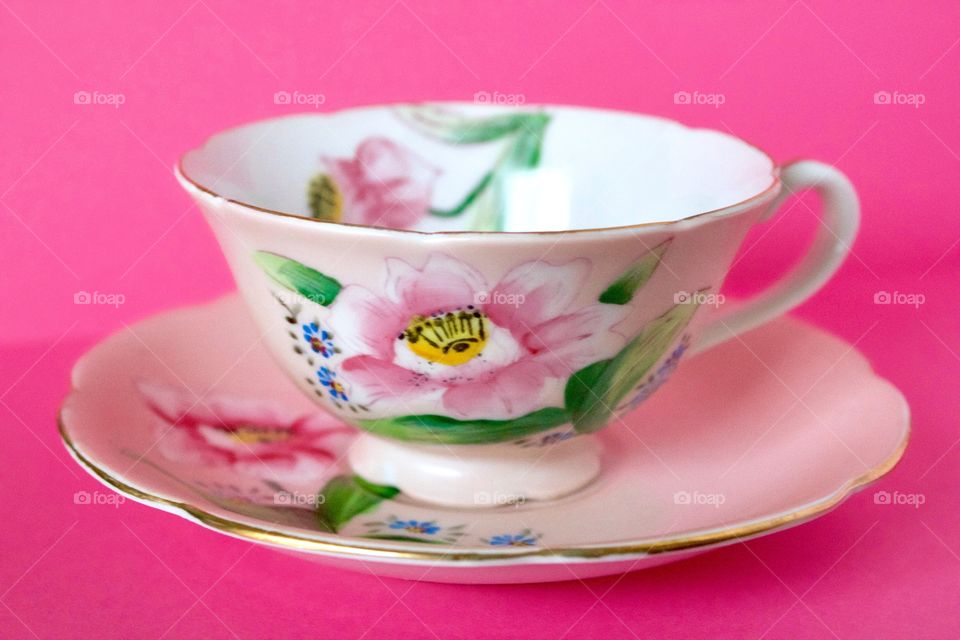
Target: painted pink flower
384, 184
488, 352
254, 438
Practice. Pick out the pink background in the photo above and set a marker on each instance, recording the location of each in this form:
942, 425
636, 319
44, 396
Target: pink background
88, 203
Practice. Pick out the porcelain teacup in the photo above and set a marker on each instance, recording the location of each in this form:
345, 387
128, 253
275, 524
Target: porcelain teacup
480, 288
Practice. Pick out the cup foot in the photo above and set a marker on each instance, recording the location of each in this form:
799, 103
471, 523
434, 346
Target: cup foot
478, 476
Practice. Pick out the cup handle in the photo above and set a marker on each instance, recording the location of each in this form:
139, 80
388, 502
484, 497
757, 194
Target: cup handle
835, 235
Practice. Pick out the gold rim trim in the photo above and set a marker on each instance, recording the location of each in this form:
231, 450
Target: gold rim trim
358, 550
748, 203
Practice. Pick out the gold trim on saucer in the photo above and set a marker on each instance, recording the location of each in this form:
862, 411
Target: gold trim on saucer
357, 549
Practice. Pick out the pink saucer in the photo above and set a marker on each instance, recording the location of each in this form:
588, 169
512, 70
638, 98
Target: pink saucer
187, 412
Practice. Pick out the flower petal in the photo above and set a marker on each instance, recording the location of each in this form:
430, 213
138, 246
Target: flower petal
507, 393
365, 323
568, 343
183, 409
535, 292
300, 475
386, 162
381, 379
444, 283
385, 185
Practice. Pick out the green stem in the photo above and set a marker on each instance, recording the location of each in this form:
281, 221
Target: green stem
467, 201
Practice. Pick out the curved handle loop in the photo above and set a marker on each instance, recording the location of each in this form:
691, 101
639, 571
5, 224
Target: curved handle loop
837, 230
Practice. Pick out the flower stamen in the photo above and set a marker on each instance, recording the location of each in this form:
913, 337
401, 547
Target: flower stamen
452, 338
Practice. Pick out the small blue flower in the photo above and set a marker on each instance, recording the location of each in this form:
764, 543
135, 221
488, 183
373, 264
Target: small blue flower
327, 378
416, 526
319, 339
522, 539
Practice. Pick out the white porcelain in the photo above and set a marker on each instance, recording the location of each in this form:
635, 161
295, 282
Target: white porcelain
186, 412
478, 476
458, 278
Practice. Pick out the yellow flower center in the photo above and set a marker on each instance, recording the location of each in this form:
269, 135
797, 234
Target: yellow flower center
451, 338
249, 434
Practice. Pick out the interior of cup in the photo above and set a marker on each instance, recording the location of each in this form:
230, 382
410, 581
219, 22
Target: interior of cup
480, 167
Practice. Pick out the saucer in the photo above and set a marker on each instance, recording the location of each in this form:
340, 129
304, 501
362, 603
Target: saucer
187, 412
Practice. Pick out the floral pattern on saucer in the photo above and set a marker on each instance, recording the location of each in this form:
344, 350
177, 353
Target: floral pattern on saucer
252, 438
256, 458
525, 538
201, 342
412, 530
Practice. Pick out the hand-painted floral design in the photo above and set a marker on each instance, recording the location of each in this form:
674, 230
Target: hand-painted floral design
658, 377
388, 185
319, 339
487, 350
547, 439
413, 530
254, 437
384, 184
328, 378
520, 135
438, 355
525, 538
415, 526
239, 494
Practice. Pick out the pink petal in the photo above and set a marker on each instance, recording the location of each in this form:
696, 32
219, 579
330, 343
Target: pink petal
535, 292
301, 475
385, 161
385, 185
186, 446
365, 323
178, 406
443, 284
381, 379
569, 343
509, 392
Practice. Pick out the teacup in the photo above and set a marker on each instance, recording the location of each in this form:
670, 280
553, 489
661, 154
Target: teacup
479, 288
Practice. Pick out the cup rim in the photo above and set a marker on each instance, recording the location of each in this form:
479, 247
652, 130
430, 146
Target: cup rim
747, 203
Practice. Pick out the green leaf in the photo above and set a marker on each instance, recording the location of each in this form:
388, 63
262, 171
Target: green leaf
435, 429
633, 279
593, 393
344, 497
580, 386
453, 128
300, 278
